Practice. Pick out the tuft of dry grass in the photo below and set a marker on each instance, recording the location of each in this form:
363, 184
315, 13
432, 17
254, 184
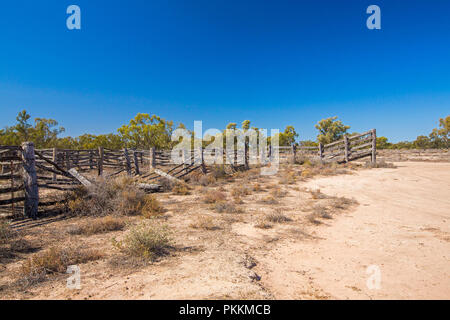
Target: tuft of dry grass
226, 207
214, 196
288, 177
99, 225
119, 197
205, 223
181, 189
147, 241
263, 223
268, 200
277, 217
313, 218
53, 260
5, 232
239, 191
316, 194
379, 164
278, 193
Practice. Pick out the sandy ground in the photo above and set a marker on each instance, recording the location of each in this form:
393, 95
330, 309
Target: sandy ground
402, 226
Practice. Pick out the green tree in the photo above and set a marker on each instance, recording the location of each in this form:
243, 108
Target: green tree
330, 130
145, 131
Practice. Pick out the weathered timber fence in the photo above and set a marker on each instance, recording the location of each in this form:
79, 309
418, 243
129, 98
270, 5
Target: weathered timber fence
26, 171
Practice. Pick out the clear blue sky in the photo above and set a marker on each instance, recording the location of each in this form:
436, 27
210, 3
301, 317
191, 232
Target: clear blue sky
275, 63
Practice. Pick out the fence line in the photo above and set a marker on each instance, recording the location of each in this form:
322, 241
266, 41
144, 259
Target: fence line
28, 170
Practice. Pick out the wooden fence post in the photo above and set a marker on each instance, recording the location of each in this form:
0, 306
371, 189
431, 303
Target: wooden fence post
101, 155
54, 158
321, 152
67, 154
136, 162
246, 155
374, 146
127, 161
152, 158
184, 159
202, 162
346, 151
294, 153
31, 203
91, 160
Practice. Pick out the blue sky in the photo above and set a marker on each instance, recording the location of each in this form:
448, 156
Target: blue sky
275, 63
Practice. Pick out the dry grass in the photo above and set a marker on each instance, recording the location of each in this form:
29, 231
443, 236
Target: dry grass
146, 240
268, 200
99, 225
181, 189
119, 197
240, 191
288, 177
214, 196
263, 223
316, 194
205, 223
277, 217
52, 261
5, 232
379, 164
226, 207
278, 193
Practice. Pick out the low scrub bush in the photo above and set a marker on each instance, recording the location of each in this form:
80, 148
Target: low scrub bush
277, 217
379, 164
118, 196
226, 207
5, 232
181, 189
240, 191
205, 223
146, 240
214, 196
52, 261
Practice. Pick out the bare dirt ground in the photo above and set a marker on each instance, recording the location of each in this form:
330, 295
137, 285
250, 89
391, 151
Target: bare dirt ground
275, 249
402, 225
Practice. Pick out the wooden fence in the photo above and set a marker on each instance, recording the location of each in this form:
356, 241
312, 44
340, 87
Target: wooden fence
25, 172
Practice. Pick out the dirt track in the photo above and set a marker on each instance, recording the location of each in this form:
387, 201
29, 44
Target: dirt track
402, 226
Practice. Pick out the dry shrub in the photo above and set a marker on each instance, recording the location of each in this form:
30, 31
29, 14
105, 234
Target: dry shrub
226, 207
342, 202
151, 207
321, 212
288, 177
100, 225
52, 261
277, 217
263, 223
269, 200
277, 193
119, 196
313, 218
166, 184
181, 189
5, 232
316, 194
379, 164
257, 187
214, 196
239, 191
146, 240
218, 171
205, 223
